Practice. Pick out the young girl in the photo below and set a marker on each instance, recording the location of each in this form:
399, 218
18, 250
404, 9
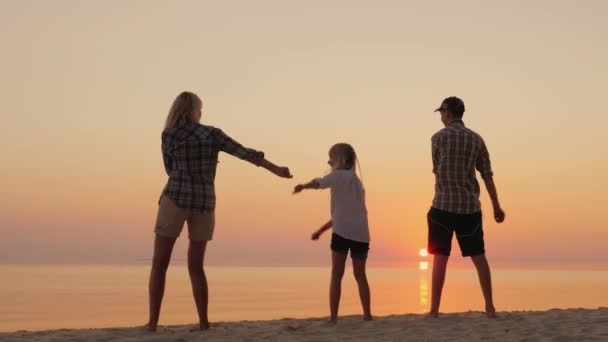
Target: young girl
349, 222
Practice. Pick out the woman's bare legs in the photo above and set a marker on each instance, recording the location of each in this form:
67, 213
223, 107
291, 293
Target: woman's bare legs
338, 261
364, 293
196, 257
163, 246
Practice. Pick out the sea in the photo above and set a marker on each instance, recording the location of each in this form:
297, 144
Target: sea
44, 297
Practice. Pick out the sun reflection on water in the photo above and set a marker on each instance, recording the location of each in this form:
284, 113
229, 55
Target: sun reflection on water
423, 292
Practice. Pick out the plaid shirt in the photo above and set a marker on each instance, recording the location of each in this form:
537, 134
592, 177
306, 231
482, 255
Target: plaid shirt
457, 152
190, 155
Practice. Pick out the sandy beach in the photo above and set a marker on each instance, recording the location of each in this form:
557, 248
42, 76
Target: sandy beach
551, 325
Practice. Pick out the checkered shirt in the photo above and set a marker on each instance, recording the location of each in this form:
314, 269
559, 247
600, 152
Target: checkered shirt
190, 156
457, 152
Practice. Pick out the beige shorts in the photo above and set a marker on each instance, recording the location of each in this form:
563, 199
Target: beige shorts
170, 221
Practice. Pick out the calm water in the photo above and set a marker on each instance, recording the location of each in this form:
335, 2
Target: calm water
53, 297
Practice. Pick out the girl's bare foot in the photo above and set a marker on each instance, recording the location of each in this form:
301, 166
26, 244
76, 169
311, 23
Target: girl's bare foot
432, 314
202, 326
332, 321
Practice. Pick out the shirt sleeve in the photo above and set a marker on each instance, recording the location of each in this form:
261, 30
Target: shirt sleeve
227, 144
329, 181
167, 160
435, 152
483, 165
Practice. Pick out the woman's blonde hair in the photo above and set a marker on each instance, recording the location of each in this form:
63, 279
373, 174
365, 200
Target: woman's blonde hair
183, 109
344, 156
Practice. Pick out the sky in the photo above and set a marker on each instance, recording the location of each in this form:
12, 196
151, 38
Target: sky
86, 87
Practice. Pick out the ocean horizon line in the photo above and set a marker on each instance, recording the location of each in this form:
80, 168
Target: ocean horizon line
583, 265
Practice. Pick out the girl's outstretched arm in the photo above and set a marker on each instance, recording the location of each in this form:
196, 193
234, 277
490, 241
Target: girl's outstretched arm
317, 233
313, 184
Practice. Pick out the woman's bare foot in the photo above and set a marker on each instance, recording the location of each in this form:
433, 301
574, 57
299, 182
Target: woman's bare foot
491, 312
149, 327
203, 325
367, 317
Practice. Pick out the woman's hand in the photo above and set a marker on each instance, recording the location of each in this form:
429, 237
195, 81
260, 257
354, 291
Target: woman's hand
282, 172
316, 235
298, 188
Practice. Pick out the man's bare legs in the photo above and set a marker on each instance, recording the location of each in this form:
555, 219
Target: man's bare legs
200, 291
338, 261
362, 284
485, 280
163, 246
440, 263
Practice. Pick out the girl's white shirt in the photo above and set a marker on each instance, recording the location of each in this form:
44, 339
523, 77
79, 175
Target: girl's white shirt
348, 210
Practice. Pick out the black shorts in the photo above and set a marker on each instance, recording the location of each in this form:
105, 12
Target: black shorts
358, 250
468, 228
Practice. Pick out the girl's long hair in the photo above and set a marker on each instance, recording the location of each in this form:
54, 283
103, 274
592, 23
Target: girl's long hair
182, 109
345, 157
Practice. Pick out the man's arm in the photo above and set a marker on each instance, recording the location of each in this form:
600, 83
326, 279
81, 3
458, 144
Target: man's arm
435, 152
499, 214
317, 233
484, 166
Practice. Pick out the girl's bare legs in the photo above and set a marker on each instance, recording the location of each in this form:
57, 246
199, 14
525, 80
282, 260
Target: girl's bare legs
338, 261
163, 246
200, 291
364, 293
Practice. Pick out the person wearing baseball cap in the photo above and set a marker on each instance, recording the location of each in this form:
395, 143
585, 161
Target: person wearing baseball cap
457, 152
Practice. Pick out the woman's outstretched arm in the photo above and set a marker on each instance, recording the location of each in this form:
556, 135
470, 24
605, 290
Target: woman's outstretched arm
231, 146
280, 171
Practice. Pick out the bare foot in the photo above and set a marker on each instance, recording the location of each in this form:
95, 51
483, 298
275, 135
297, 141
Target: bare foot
332, 321
367, 317
149, 327
432, 314
490, 312
203, 325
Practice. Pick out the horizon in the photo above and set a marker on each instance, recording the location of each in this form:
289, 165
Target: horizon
455, 263
87, 87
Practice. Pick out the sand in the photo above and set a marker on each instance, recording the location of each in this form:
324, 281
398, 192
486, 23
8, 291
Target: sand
551, 325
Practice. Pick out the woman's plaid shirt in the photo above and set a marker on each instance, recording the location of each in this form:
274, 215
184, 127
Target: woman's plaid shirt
190, 155
457, 152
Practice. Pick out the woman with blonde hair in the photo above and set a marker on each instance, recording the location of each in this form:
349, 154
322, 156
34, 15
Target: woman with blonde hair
190, 154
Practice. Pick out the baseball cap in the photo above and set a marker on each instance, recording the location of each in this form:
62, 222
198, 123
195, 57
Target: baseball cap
453, 104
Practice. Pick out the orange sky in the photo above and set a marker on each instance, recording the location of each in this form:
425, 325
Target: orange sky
86, 87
